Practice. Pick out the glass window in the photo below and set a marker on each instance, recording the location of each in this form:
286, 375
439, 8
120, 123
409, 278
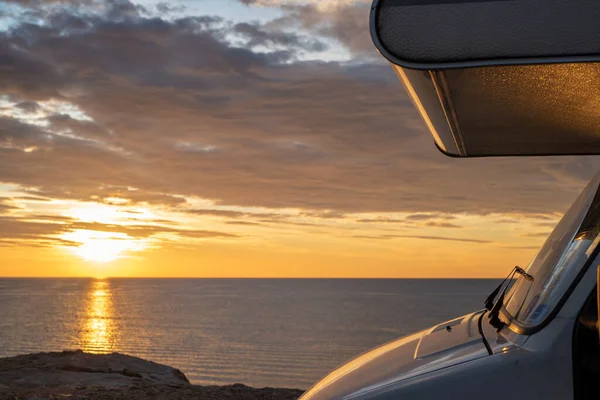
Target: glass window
558, 262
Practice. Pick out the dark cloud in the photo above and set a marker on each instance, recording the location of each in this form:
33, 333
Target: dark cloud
243, 223
231, 213
281, 221
428, 217
257, 36
37, 3
266, 130
521, 247
350, 25
295, 223
217, 213
434, 224
546, 224
450, 239
507, 221
166, 8
117, 9
15, 134
107, 194
381, 220
200, 234
46, 229
536, 234
546, 217
29, 106
38, 242
69, 16
6, 206
347, 23
14, 228
424, 237
414, 220
147, 230
31, 198
83, 129
327, 214
46, 217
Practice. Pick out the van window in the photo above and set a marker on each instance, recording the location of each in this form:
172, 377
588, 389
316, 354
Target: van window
558, 262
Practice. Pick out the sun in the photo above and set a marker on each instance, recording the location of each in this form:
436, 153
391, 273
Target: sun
101, 250
102, 247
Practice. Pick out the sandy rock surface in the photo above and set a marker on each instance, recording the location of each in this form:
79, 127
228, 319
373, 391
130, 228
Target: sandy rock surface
79, 375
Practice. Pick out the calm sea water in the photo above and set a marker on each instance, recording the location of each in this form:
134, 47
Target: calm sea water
260, 332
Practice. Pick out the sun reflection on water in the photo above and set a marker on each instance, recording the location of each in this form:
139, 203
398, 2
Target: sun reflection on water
98, 333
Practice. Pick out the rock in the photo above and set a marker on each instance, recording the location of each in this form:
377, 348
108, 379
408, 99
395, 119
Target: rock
79, 368
77, 375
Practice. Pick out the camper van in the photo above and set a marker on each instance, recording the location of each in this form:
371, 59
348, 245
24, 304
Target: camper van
500, 78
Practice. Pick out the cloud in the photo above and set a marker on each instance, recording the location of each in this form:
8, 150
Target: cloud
29, 106
287, 222
423, 237
47, 230
6, 206
434, 224
536, 234
258, 36
381, 220
521, 247
231, 213
326, 214
546, 224
146, 230
166, 8
415, 220
14, 228
321, 5
200, 234
120, 96
451, 239
428, 217
369, 237
47, 217
243, 223
345, 21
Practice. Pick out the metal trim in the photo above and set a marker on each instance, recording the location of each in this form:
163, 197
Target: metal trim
458, 156
445, 97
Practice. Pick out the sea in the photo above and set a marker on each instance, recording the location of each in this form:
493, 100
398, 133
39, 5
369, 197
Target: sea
259, 332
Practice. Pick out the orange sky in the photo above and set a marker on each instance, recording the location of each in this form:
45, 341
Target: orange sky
241, 139
94, 239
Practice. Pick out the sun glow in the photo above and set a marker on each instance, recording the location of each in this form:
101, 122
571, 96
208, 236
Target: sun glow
103, 247
96, 213
102, 251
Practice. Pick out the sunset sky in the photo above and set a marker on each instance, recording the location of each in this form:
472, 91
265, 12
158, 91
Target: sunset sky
241, 138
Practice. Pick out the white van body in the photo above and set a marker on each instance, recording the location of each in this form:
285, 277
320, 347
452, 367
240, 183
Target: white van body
540, 350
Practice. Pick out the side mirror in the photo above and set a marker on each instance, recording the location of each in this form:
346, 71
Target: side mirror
498, 78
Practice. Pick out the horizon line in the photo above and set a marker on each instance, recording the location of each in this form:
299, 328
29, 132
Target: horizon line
236, 277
